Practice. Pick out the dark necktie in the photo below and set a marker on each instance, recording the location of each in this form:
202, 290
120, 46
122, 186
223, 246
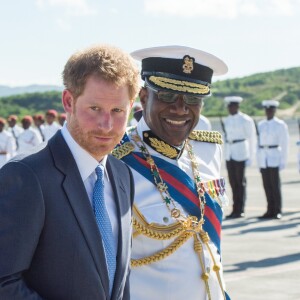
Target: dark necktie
41, 132
104, 225
15, 137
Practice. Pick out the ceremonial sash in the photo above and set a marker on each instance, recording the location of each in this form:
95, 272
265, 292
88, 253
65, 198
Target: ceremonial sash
183, 190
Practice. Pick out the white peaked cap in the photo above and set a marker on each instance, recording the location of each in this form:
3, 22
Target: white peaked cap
179, 68
270, 103
235, 99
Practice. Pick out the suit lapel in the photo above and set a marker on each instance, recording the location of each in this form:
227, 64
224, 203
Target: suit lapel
79, 201
122, 208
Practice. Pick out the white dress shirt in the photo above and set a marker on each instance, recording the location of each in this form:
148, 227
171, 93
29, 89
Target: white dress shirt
16, 130
240, 127
28, 139
86, 165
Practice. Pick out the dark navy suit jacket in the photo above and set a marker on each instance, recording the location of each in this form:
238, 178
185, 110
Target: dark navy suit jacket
50, 245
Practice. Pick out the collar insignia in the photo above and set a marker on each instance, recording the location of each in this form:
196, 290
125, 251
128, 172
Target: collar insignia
188, 64
206, 136
159, 145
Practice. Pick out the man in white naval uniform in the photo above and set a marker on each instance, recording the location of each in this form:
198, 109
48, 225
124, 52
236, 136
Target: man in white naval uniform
240, 146
7, 144
29, 138
179, 192
272, 157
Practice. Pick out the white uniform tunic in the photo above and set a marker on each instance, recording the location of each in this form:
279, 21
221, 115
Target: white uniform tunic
203, 124
28, 139
15, 131
7, 144
240, 127
272, 132
177, 276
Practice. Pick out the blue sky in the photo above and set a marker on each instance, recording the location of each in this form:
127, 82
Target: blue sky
38, 36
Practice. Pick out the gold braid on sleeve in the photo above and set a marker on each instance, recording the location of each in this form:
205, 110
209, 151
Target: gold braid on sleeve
158, 232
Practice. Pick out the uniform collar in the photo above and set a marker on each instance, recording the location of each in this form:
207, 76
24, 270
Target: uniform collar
156, 143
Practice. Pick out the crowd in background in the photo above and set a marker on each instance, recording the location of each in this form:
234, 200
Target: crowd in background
22, 135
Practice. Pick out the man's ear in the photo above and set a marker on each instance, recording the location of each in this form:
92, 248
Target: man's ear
143, 96
67, 101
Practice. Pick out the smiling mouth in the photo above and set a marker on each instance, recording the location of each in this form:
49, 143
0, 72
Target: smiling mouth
176, 123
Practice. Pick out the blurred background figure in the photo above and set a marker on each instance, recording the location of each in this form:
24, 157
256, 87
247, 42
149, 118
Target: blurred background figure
39, 121
137, 114
51, 126
298, 144
61, 119
7, 143
240, 145
14, 129
272, 157
30, 137
203, 123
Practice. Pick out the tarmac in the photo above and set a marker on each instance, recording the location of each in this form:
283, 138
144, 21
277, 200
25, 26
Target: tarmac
261, 258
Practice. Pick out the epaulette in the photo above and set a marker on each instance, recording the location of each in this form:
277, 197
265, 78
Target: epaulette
206, 136
123, 150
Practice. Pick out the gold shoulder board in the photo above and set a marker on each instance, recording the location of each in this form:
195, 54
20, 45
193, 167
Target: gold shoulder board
206, 136
122, 150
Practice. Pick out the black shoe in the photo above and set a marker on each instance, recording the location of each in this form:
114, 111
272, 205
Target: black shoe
235, 215
267, 215
277, 216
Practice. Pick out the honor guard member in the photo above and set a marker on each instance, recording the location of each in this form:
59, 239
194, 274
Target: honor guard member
14, 129
29, 138
272, 157
51, 126
7, 144
240, 146
179, 192
39, 121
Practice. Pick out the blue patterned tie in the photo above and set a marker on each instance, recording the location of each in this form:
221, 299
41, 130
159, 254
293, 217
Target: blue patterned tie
104, 225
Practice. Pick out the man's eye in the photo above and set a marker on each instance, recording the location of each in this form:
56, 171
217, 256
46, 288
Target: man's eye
117, 110
94, 108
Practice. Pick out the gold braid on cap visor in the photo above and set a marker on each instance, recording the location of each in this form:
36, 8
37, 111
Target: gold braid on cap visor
180, 86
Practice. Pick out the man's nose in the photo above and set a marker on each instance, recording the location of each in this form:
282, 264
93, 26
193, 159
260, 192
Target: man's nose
105, 121
179, 106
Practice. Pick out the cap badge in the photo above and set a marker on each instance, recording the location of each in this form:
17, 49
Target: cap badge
188, 64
